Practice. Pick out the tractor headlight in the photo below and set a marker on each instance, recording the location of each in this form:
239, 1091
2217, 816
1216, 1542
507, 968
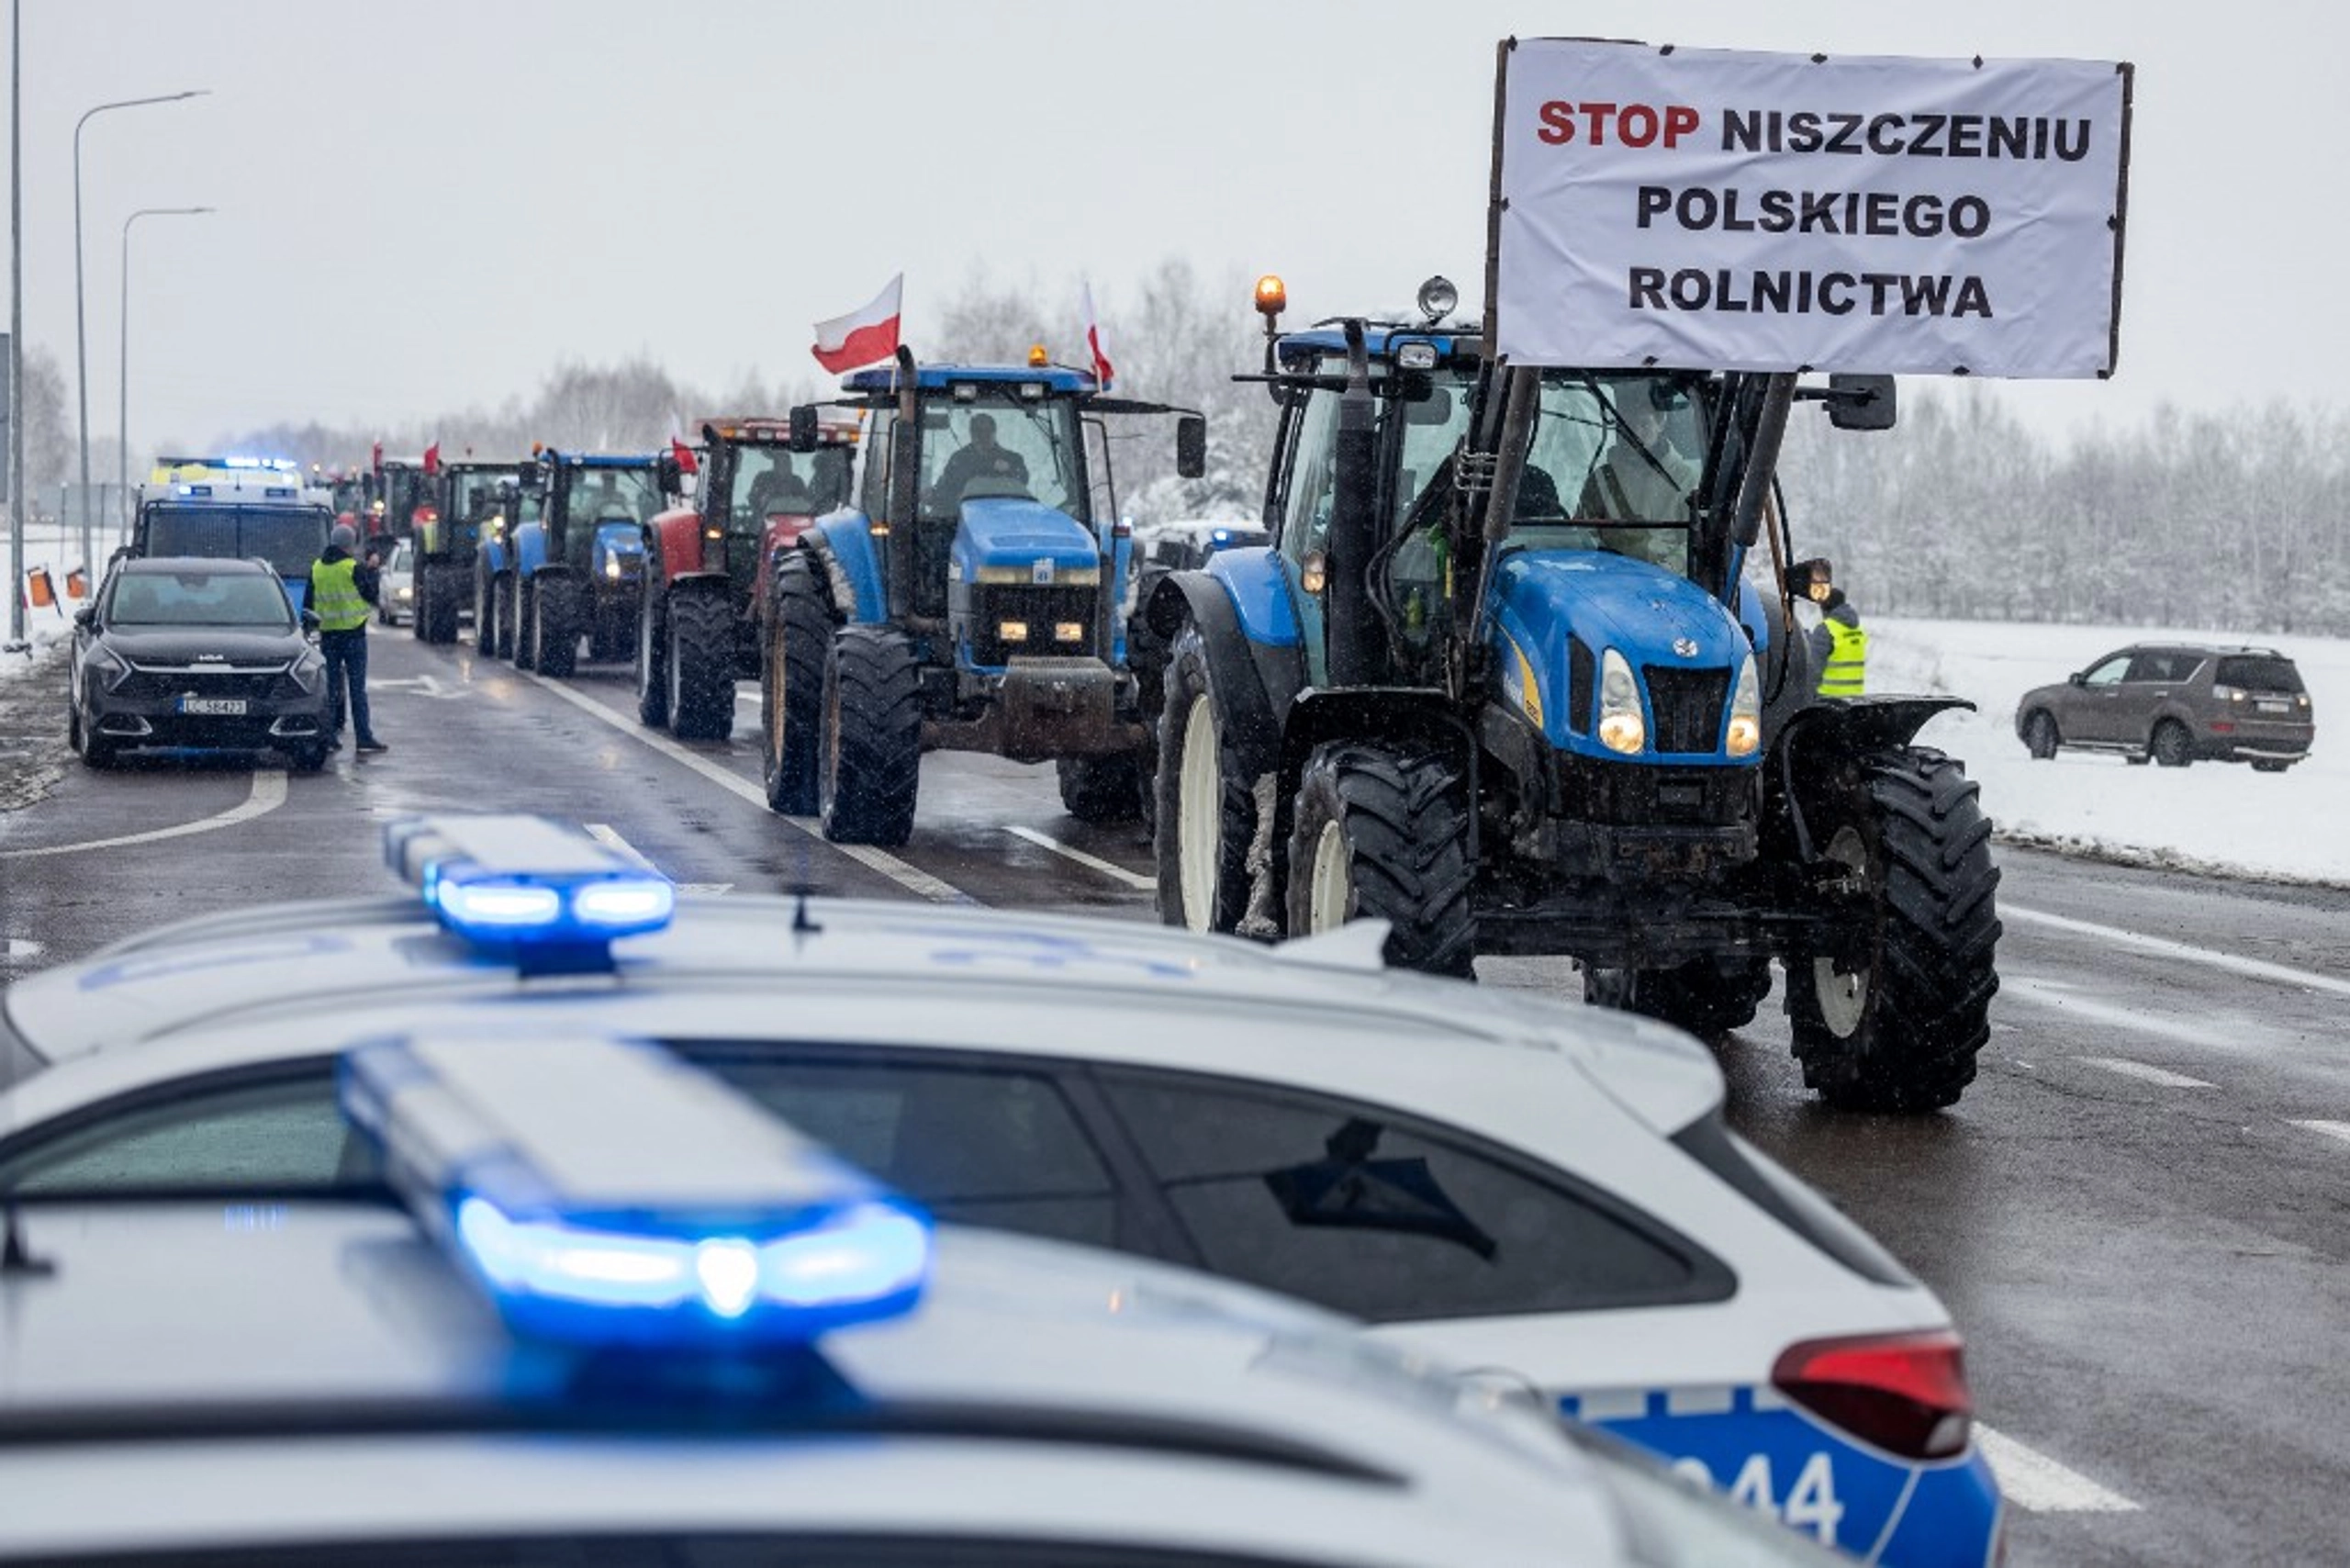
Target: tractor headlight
1621, 727
612, 568
1745, 736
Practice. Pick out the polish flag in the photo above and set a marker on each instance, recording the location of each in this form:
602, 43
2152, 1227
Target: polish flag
862, 336
433, 458
687, 463
1103, 372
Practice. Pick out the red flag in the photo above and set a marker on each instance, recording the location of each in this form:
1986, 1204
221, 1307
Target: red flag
864, 335
433, 458
1103, 369
378, 460
684, 454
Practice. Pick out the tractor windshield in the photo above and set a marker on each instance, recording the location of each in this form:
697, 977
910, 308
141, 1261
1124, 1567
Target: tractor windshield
477, 492
1614, 464
773, 481
998, 445
610, 495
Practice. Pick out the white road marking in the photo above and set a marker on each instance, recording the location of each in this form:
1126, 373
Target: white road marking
712, 889
743, 698
1090, 862
423, 684
268, 794
18, 949
2138, 1069
2038, 1485
2070, 1000
913, 878
2255, 968
610, 837
2330, 1129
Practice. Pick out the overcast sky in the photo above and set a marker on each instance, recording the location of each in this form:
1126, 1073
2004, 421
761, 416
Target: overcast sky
427, 204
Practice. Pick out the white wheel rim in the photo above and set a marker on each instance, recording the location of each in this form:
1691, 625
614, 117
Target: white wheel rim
1843, 998
1331, 892
1199, 814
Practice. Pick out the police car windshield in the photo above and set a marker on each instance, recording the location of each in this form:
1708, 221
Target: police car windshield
997, 445
288, 538
199, 599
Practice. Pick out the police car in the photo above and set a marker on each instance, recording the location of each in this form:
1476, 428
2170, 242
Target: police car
235, 507
608, 1311
1485, 1176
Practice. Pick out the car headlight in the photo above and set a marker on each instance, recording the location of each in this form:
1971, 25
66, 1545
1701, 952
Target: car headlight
109, 666
308, 669
1745, 737
1621, 727
405, 592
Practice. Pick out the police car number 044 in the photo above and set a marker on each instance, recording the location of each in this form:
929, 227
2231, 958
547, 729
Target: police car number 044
1810, 1501
212, 704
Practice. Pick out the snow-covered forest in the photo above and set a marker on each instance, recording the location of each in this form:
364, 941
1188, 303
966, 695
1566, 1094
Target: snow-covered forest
2232, 521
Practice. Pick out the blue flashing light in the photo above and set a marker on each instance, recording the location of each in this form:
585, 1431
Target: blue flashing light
646, 1204
526, 882
1219, 537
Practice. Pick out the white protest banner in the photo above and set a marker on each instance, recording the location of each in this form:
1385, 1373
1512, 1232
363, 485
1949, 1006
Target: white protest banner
1721, 209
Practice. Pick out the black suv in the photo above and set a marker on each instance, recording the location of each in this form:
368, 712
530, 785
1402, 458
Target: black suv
2177, 703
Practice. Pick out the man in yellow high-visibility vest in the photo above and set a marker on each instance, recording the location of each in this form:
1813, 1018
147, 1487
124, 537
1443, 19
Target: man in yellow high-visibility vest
1840, 648
342, 594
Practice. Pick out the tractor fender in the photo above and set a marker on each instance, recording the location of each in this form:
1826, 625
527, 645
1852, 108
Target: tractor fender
1817, 740
1255, 683
1392, 715
672, 537
530, 548
840, 592
843, 542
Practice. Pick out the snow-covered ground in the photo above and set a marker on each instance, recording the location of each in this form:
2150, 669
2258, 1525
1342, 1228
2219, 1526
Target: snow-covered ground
2294, 825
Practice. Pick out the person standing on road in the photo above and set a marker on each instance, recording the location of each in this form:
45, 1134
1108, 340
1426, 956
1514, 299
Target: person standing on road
343, 591
1840, 648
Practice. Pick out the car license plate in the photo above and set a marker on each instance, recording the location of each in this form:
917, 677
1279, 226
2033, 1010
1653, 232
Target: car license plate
2268, 707
212, 705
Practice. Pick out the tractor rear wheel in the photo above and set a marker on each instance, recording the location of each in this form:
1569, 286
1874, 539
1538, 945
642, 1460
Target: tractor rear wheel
700, 659
1205, 817
436, 602
791, 686
1101, 789
1889, 1012
526, 612
486, 614
554, 627
1709, 997
1384, 834
652, 671
872, 764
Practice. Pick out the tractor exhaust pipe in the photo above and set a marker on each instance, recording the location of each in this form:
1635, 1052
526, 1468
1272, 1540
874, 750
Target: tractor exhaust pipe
1355, 634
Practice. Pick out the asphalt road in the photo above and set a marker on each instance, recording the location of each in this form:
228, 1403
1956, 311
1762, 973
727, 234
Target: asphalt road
2139, 1215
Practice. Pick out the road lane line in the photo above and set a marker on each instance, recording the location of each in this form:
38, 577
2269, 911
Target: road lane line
913, 878
2038, 1485
2062, 998
2138, 1069
268, 794
1090, 862
2330, 1129
2255, 968
610, 837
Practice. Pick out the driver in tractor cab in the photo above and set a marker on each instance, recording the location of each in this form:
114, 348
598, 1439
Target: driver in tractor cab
606, 500
1645, 476
980, 458
781, 492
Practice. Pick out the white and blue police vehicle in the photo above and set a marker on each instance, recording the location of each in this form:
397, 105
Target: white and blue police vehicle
1482, 1177
246, 508
603, 1308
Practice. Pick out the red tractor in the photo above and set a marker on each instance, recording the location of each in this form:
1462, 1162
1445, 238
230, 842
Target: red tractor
709, 559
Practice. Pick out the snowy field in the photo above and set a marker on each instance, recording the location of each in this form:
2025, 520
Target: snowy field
2213, 816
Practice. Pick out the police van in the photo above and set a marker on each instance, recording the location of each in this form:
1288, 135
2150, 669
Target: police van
243, 508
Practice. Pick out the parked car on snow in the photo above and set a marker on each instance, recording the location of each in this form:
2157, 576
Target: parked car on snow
2177, 703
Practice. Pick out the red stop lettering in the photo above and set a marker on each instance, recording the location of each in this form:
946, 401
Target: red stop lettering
1631, 125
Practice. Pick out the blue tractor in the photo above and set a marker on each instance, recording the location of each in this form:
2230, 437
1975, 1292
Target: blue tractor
461, 503
1502, 678
572, 563
969, 597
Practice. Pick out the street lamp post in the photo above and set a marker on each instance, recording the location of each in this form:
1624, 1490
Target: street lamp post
122, 377
81, 337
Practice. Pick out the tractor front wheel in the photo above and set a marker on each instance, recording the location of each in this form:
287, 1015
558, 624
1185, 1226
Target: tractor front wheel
791, 688
1889, 998
651, 668
1205, 817
1101, 790
526, 614
1383, 835
554, 628
435, 610
871, 766
701, 665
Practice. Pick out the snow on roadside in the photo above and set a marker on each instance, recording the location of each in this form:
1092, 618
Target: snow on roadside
2219, 817
45, 545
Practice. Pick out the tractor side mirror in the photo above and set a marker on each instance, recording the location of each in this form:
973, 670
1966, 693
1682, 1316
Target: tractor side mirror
1190, 446
668, 474
803, 428
529, 477
1861, 402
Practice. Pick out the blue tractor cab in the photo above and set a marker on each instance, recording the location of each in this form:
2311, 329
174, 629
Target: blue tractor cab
572, 563
969, 597
1504, 678
462, 504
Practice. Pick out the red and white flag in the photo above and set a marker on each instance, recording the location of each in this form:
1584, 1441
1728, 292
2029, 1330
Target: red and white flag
433, 458
687, 463
866, 334
1103, 369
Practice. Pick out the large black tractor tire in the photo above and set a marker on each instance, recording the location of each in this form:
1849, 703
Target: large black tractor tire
653, 662
871, 766
2040, 736
1894, 1021
2173, 747
611, 629
485, 618
1207, 809
1382, 834
701, 660
1101, 789
553, 628
791, 688
437, 607
526, 610
1709, 997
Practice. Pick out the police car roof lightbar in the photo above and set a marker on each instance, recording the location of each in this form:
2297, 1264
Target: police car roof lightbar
604, 1193
539, 890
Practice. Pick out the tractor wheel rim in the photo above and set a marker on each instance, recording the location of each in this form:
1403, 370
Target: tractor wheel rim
1332, 888
1843, 995
1200, 814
